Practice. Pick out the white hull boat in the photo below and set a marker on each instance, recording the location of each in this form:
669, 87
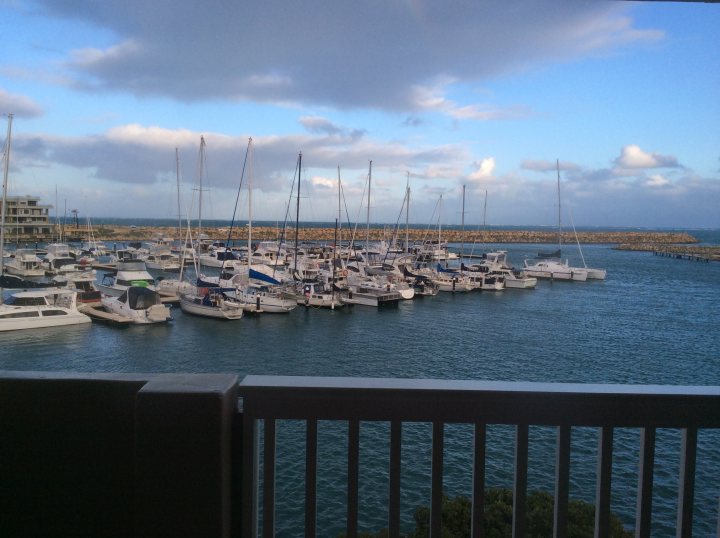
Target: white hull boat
139, 304
555, 270
128, 273
319, 297
596, 274
211, 303
365, 296
265, 299
519, 281
40, 308
25, 264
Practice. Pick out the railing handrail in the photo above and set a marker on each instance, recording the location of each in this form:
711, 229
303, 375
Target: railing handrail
490, 402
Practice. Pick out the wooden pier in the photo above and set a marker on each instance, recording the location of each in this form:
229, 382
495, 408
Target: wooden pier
682, 255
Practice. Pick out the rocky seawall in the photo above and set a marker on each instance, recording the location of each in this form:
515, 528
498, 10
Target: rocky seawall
625, 239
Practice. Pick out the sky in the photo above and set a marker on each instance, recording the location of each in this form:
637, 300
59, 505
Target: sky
110, 100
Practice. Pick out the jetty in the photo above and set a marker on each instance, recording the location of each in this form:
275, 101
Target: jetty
682, 256
98, 313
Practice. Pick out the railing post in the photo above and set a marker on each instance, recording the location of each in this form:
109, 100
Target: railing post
562, 482
643, 514
250, 483
604, 480
183, 453
268, 478
519, 525
477, 529
686, 493
395, 463
353, 471
311, 478
436, 473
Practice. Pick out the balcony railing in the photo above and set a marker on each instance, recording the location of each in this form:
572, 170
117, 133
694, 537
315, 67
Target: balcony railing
396, 401
120, 455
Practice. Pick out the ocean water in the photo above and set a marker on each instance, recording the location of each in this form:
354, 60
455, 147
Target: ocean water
653, 321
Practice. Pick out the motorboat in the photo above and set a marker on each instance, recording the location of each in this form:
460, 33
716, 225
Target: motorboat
362, 294
164, 261
83, 284
127, 273
60, 260
33, 309
314, 294
495, 263
211, 303
449, 280
141, 305
26, 264
263, 298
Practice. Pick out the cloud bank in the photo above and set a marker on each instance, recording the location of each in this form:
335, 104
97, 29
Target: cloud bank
393, 55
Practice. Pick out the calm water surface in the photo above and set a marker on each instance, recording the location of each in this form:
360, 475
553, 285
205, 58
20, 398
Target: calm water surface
654, 320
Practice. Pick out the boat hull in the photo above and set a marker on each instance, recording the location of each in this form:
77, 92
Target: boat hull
39, 322
193, 305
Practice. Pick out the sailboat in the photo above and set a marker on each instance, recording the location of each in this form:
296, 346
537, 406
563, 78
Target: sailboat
365, 289
208, 299
260, 297
594, 274
549, 265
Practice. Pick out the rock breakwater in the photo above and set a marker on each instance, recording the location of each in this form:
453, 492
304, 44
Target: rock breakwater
627, 239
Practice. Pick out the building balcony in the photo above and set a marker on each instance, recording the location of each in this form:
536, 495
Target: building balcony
195, 454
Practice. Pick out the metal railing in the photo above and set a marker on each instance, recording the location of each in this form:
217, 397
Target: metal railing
352, 400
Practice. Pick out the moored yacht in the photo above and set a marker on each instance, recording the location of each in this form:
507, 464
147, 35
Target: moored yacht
25, 263
127, 273
32, 309
555, 269
211, 303
140, 304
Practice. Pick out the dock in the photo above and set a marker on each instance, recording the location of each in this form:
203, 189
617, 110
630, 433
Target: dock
682, 256
98, 313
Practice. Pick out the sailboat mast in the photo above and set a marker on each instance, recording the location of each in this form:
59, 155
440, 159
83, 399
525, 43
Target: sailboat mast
6, 170
177, 182
202, 170
297, 212
250, 187
339, 238
462, 227
367, 229
559, 211
407, 214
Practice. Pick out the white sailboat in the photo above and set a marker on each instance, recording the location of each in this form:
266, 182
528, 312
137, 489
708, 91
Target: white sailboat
260, 298
551, 266
592, 273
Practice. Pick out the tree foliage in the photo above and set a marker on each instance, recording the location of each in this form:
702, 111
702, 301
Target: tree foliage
456, 512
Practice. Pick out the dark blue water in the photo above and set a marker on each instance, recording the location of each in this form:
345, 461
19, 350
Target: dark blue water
654, 320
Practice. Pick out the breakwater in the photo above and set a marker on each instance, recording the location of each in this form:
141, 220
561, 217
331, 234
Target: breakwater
140, 233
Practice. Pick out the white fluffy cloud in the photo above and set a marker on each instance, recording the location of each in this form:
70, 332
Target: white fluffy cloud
632, 157
483, 170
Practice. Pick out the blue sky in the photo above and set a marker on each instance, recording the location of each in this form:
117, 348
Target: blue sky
483, 94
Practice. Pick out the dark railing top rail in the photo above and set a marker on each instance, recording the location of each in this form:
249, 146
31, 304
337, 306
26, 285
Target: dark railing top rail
490, 402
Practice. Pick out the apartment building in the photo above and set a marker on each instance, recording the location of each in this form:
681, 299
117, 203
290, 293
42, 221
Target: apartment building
26, 216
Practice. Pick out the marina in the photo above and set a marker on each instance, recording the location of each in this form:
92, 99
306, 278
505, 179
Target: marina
589, 332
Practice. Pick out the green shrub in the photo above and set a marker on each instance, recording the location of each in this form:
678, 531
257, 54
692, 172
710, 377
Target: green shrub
456, 513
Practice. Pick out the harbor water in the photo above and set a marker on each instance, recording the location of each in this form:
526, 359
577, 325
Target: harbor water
653, 321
